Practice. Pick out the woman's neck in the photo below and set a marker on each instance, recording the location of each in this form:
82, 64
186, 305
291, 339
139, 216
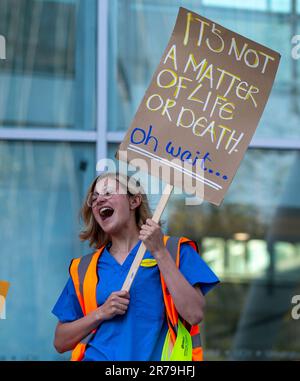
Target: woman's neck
124, 241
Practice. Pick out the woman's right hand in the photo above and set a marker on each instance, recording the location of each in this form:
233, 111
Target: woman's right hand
116, 304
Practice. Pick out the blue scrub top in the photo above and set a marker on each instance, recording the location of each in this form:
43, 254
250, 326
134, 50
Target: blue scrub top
139, 334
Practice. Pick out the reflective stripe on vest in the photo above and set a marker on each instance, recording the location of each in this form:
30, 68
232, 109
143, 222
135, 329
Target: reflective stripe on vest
173, 246
84, 274
85, 278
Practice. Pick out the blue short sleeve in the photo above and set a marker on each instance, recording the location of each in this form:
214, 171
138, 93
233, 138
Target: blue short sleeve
67, 307
195, 270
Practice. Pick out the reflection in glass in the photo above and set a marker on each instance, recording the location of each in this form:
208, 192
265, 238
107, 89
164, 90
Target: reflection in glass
42, 186
46, 79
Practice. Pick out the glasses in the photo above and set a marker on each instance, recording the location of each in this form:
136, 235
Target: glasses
93, 197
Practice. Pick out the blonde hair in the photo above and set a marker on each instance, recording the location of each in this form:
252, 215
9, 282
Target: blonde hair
92, 231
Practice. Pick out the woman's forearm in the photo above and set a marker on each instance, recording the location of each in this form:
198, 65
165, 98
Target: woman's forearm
189, 302
68, 335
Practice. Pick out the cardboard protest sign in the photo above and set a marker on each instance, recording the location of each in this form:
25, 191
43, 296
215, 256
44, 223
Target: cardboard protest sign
202, 106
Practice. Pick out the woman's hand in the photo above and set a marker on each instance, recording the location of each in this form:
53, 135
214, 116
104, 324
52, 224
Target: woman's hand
68, 335
152, 236
116, 304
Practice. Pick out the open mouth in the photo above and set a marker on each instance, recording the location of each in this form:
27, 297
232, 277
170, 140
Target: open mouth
106, 212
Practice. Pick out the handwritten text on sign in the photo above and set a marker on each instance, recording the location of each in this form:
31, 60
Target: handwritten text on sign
204, 103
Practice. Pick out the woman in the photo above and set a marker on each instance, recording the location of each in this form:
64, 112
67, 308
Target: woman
127, 325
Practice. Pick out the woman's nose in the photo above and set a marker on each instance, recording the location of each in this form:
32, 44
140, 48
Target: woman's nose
101, 198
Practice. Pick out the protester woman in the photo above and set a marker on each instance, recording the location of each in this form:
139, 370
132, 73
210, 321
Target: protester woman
100, 322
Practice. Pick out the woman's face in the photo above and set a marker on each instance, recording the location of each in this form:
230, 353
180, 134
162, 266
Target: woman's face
113, 209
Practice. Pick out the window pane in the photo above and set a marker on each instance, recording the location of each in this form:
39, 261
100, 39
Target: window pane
139, 33
253, 243
42, 186
46, 79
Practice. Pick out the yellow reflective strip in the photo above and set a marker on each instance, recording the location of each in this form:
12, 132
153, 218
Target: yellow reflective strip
148, 262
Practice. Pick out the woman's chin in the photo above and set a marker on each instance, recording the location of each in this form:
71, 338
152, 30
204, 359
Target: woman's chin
110, 228
111, 225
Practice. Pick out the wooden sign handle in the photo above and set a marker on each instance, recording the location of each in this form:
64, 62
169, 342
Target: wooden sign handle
142, 249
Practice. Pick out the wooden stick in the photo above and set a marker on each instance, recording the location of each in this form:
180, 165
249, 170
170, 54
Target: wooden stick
142, 249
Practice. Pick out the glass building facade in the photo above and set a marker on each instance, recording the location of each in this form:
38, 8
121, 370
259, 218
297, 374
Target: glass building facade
74, 74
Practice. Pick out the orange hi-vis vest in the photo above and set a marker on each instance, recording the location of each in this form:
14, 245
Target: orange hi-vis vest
83, 272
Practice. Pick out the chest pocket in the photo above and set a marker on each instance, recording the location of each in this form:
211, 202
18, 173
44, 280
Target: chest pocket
147, 292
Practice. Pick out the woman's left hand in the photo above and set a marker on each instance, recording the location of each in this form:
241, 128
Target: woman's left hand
152, 236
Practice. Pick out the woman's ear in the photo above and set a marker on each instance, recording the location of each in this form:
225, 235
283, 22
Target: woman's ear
135, 201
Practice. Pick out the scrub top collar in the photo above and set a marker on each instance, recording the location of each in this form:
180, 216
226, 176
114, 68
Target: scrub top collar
129, 259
